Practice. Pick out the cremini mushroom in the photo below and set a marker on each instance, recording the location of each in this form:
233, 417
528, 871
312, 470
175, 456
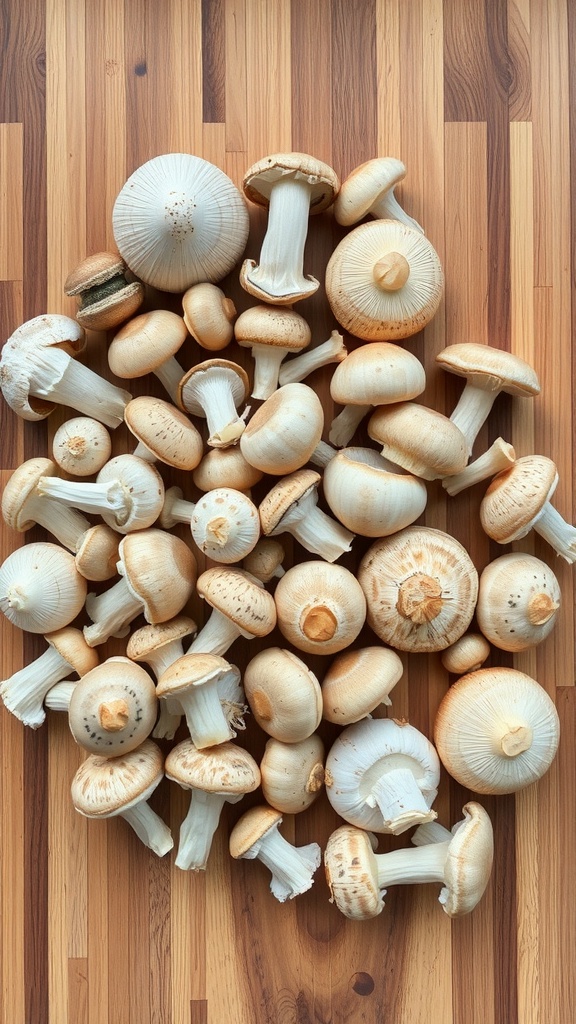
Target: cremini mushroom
500, 455
214, 389
256, 836
369, 189
265, 560
421, 440
163, 433
466, 654
496, 730
369, 495
292, 774
271, 333
208, 690
284, 695
209, 315
518, 601
159, 646
179, 220
215, 776
23, 507
105, 292
224, 523
518, 500
41, 589
384, 281
225, 467
292, 186
291, 506
113, 707
359, 681
284, 432
320, 606
421, 588
106, 787
240, 607
38, 371
382, 775
81, 446
148, 343
333, 350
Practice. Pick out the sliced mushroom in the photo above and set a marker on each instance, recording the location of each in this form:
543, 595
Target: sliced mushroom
105, 292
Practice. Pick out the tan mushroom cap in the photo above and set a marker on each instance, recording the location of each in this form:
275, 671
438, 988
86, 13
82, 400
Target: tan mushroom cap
283, 495
384, 281
145, 342
150, 638
292, 773
113, 707
71, 645
352, 873
22, 485
265, 559
364, 186
105, 786
106, 296
239, 597
160, 569
251, 827
165, 431
518, 601
234, 374
321, 607
469, 861
421, 440
377, 374
209, 315
262, 175
490, 368
225, 467
226, 768
81, 446
466, 654
358, 681
272, 325
275, 440
516, 497
284, 694
97, 555
194, 670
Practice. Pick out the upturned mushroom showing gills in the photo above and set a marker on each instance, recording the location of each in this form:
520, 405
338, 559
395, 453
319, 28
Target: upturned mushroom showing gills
421, 440
518, 601
23, 507
206, 687
382, 775
369, 189
421, 588
293, 186
106, 293
459, 859
106, 787
113, 708
38, 371
40, 587
224, 522
179, 220
240, 607
214, 389
496, 730
384, 281
148, 343
359, 681
209, 315
271, 333
284, 695
321, 607
291, 506
369, 495
256, 836
284, 432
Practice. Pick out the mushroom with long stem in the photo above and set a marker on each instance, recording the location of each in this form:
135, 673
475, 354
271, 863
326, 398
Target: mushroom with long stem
291, 505
369, 189
159, 646
271, 333
240, 607
148, 343
208, 689
294, 370
256, 836
421, 440
23, 506
214, 389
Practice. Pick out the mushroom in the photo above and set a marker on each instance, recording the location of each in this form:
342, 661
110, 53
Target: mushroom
369, 189
518, 500
357, 682
106, 787
59, 696
496, 730
271, 333
163, 433
292, 186
500, 455
421, 440
24, 692
296, 369
208, 690
158, 572
488, 371
97, 553
382, 775
370, 495
128, 493
284, 432
240, 607
265, 560
225, 467
209, 315
292, 774
159, 646
41, 589
38, 371
291, 506
518, 601
179, 220
373, 375
215, 776
112, 708
106, 295
384, 281
284, 695
421, 588
256, 836
460, 860
224, 523
23, 507
148, 343
320, 606
466, 654
214, 389
81, 446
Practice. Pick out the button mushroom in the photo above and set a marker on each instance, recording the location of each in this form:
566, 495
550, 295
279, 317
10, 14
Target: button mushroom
224, 523
207, 688
159, 646
97, 553
214, 389
265, 560
284, 432
421, 440
23, 507
466, 654
271, 333
359, 681
113, 708
240, 607
256, 836
518, 601
41, 589
369, 189
163, 433
148, 343
292, 774
369, 495
284, 695
225, 467
291, 507
321, 607
209, 315
106, 295
81, 446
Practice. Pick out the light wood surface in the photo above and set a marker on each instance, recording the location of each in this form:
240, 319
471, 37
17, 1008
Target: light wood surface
478, 100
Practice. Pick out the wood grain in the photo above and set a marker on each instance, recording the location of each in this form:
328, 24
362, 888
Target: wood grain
479, 101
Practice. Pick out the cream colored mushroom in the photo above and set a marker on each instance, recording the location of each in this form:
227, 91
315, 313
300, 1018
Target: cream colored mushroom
320, 606
421, 440
284, 695
369, 189
292, 774
271, 333
113, 708
81, 446
148, 343
97, 553
357, 682
224, 523
225, 467
163, 433
291, 507
159, 646
466, 654
265, 560
369, 495
518, 601
500, 455
23, 507
283, 433
214, 389
209, 315
240, 607
208, 689
256, 836
41, 589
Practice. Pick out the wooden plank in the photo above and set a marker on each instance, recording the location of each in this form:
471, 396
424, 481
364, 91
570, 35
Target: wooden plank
11, 200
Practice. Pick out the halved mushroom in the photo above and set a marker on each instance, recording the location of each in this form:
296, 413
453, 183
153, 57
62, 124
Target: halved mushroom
291, 506
518, 601
255, 836
214, 389
320, 606
369, 189
106, 294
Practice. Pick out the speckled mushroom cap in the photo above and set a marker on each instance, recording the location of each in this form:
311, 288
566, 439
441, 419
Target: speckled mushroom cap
81, 446
106, 296
468, 863
209, 315
377, 374
49, 330
262, 175
272, 325
195, 670
240, 598
21, 485
167, 433
105, 786
283, 495
150, 638
251, 827
384, 281
358, 681
113, 707
490, 368
179, 220
160, 570
226, 768
421, 440
352, 873
421, 588
516, 497
145, 342
518, 601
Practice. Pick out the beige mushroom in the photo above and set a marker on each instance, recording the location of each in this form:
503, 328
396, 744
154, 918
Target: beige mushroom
333, 350
291, 507
81, 446
271, 333
214, 389
292, 774
466, 654
41, 589
256, 836
148, 343
357, 682
500, 455
265, 560
369, 495
113, 708
208, 690
209, 315
163, 433
224, 523
320, 606
23, 507
106, 293
97, 553
284, 695
369, 189
240, 607
225, 467
421, 440
159, 646
284, 432
518, 601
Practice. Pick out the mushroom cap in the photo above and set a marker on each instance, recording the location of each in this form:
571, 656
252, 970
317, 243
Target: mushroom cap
358, 681
113, 707
209, 315
21, 486
160, 570
251, 827
516, 497
70, 644
97, 554
292, 774
272, 325
421, 440
377, 374
193, 670
352, 873
284, 695
106, 786
466, 654
239, 597
165, 431
226, 768
40, 587
489, 368
364, 186
421, 588
369, 496
283, 495
81, 446
469, 861
106, 296
225, 467
151, 638
496, 730
179, 220
282, 434
261, 177
321, 607
145, 342
49, 330
234, 374
384, 281
225, 524
518, 601
265, 559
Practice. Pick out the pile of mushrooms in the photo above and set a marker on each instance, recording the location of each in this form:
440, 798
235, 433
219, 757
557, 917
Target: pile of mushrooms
224, 491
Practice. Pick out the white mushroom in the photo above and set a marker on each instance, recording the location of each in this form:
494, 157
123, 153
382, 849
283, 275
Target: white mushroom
81, 446
214, 389
284, 695
518, 601
296, 369
320, 606
292, 774
224, 523
208, 690
41, 589
370, 495
291, 506
240, 607
285, 431
256, 836
369, 189
24, 507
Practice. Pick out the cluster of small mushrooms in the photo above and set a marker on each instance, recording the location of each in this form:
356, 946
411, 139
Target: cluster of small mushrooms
117, 553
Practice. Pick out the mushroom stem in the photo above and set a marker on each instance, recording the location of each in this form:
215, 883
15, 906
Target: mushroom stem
24, 692
295, 370
292, 867
149, 827
345, 424
267, 362
88, 496
205, 716
472, 411
391, 272
316, 531
217, 634
142, 452
557, 532
215, 396
170, 374
111, 613
412, 866
322, 454
512, 738
58, 696
176, 509
388, 207
75, 385
198, 828
400, 800
67, 525
499, 456
280, 270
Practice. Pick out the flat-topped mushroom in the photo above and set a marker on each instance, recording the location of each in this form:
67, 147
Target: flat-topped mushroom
81, 446
518, 601
284, 432
159, 645
421, 440
148, 343
105, 292
106, 787
320, 606
224, 523
256, 836
359, 681
271, 333
240, 607
291, 507
23, 507
113, 707
214, 389
369, 189
41, 589
209, 315
371, 496
292, 774
206, 687
163, 432
292, 186
284, 695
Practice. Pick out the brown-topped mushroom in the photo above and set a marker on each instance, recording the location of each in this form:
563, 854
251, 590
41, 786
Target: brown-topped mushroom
369, 189
163, 433
357, 682
105, 292
255, 836
284, 695
271, 333
291, 507
148, 343
240, 607
160, 645
209, 315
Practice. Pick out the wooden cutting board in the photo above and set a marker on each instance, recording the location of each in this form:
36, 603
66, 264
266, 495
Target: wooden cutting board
478, 101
